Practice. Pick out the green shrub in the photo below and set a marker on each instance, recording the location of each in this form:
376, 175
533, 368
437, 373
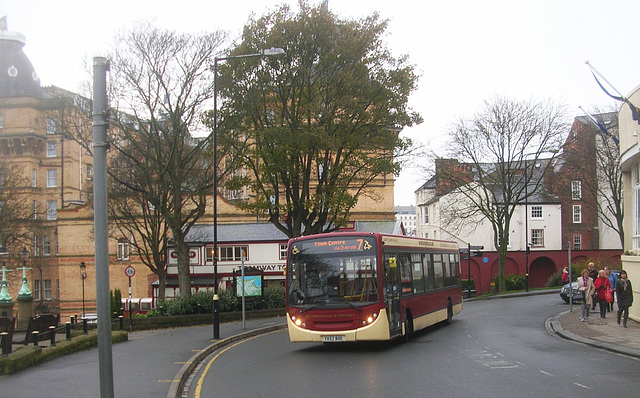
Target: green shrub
274, 296
511, 282
115, 300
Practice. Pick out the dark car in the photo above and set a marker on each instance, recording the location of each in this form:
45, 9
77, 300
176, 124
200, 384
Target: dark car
564, 293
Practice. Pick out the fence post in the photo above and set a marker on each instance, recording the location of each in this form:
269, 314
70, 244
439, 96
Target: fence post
68, 327
4, 336
84, 326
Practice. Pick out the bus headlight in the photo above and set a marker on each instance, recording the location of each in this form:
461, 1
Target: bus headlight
372, 318
297, 321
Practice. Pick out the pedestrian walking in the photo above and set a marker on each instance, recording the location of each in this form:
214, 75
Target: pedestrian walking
613, 280
601, 285
593, 274
565, 275
625, 297
585, 285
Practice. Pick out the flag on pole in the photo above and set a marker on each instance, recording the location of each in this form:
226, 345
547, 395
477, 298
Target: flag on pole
635, 112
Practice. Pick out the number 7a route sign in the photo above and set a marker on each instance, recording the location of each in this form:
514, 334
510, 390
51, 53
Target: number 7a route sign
129, 271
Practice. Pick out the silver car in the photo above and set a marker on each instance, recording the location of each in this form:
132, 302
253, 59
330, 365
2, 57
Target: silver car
564, 293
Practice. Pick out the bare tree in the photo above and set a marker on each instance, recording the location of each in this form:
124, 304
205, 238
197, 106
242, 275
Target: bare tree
601, 180
497, 144
162, 80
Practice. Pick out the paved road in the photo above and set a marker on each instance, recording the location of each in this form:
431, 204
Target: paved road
147, 365
495, 348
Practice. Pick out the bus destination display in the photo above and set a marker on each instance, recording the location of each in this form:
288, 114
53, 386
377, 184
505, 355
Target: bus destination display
334, 245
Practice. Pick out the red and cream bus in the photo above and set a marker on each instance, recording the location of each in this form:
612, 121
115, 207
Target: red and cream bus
349, 286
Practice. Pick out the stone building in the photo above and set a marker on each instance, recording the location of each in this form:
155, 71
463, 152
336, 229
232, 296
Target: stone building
45, 132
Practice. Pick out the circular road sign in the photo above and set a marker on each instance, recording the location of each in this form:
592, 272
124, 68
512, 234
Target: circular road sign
130, 271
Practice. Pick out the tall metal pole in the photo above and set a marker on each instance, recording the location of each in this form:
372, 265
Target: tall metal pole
526, 225
100, 219
570, 278
265, 53
469, 269
216, 302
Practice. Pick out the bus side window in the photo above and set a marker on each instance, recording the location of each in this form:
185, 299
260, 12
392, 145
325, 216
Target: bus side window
429, 276
405, 274
418, 275
438, 268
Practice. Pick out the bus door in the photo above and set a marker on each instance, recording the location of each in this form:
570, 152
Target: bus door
392, 294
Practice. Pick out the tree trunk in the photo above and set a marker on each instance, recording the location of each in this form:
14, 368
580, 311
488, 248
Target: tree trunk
184, 275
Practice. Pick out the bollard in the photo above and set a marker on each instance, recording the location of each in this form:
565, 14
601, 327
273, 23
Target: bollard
34, 335
71, 320
68, 327
4, 336
84, 326
52, 331
75, 319
121, 321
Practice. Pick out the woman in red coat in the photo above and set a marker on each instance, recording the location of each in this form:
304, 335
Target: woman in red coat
602, 284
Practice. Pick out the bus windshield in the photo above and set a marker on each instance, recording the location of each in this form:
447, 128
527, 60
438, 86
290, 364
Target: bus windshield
333, 272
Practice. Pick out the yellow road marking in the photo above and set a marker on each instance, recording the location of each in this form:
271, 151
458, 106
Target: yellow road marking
206, 369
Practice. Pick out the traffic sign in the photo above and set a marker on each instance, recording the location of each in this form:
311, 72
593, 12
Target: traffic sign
129, 271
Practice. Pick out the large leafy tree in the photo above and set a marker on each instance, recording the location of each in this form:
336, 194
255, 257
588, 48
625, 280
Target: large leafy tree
162, 81
499, 146
314, 129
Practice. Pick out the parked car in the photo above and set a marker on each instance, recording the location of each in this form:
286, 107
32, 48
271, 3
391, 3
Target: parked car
564, 293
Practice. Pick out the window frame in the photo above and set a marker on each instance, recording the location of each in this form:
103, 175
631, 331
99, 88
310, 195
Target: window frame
537, 209
537, 237
577, 214
52, 178
576, 190
52, 210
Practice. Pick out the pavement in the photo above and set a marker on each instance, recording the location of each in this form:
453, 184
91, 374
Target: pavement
604, 333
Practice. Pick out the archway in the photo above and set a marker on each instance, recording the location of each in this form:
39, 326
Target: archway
540, 270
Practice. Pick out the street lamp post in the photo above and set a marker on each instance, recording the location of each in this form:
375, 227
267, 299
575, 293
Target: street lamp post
526, 226
83, 274
265, 53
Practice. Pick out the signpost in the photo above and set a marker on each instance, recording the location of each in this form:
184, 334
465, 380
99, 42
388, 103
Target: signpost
130, 272
470, 251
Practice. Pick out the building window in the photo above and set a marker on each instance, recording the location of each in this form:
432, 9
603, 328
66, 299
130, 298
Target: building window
536, 212
52, 209
52, 149
1, 121
51, 126
46, 245
576, 190
34, 210
34, 178
537, 237
47, 289
36, 246
52, 178
577, 242
36, 290
426, 214
283, 252
577, 214
89, 172
123, 250
233, 253
208, 254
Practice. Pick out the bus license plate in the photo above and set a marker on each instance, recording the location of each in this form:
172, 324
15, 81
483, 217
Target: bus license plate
332, 339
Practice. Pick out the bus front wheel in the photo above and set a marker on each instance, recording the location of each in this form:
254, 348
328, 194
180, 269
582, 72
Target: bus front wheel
408, 326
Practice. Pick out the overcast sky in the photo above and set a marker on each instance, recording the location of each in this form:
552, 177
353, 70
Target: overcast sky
465, 51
